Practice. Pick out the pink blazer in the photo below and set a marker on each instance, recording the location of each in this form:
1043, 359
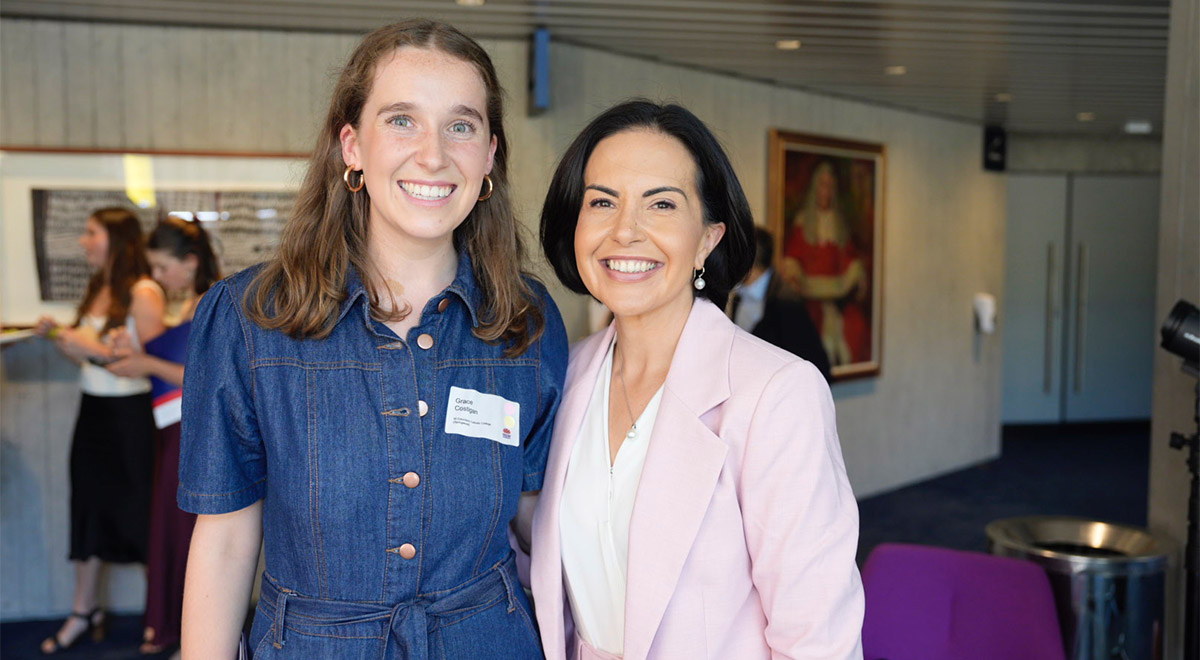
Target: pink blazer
744, 530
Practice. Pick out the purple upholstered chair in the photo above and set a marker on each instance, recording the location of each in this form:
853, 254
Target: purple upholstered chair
926, 603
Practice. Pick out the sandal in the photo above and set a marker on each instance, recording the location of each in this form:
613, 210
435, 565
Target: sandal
96, 624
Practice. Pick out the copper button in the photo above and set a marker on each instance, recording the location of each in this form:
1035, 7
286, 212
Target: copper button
425, 341
412, 479
408, 551
422, 408
444, 304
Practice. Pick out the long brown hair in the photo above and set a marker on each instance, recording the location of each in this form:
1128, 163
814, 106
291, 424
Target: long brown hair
301, 287
179, 238
124, 266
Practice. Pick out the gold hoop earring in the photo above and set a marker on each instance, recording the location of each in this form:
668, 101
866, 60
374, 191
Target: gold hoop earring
490, 188
362, 179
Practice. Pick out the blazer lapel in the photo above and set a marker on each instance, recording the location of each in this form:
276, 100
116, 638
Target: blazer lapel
683, 463
546, 571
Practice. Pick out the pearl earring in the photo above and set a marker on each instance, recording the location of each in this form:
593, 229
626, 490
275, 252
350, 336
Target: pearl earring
698, 279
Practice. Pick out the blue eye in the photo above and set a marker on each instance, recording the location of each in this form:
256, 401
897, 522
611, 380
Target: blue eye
402, 121
462, 127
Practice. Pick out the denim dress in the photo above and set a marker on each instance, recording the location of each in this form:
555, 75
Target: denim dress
389, 471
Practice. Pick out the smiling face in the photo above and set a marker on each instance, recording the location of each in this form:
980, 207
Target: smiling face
423, 144
94, 241
641, 228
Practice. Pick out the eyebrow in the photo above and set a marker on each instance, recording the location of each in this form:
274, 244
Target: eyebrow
468, 111
606, 191
404, 106
396, 107
663, 189
648, 193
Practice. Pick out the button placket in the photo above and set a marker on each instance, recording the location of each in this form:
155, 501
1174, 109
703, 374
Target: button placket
406, 454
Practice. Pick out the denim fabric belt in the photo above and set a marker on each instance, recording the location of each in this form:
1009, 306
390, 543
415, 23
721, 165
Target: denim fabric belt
408, 623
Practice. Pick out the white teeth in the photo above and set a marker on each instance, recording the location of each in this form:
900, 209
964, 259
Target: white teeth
631, 265
426, 192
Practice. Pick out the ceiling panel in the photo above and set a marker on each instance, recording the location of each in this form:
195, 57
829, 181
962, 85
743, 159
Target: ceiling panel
1027, 65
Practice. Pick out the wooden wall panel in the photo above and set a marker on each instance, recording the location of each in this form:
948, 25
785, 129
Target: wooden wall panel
232, 58
109, 104
193, 130
18, 104
49, 83
136, 63
79, 82
302, 108
164, 98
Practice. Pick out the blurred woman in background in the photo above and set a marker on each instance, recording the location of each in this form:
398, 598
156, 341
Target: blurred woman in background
112, 450
182, 261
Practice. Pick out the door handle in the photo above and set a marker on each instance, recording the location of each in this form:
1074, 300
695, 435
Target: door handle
1051, 313
1081, 306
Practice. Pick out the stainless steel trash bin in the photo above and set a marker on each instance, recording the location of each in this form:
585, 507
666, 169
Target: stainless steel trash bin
1108, 581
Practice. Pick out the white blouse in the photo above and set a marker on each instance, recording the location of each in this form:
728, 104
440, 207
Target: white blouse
98, 381
597, 503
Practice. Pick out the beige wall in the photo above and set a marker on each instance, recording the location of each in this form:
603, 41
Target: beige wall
1178, 277
934, 408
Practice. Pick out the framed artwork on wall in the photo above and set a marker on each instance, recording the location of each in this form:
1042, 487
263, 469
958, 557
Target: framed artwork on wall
825, 210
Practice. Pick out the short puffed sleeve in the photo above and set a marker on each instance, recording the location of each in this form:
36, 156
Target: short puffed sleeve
222, 464
552, 370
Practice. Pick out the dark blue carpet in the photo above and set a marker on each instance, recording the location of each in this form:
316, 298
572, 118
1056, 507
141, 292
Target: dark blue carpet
20, 641
1096, 471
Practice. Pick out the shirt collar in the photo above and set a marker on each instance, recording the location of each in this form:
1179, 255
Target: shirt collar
464, 286
757, 290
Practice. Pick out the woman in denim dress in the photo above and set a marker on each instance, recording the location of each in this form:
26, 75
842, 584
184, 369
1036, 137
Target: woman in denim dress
372, 402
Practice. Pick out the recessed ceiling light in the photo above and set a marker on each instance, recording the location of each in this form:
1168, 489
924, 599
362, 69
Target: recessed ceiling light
1003, 97
1138, 127
1086, 116
898, 70
471, 3
788, 44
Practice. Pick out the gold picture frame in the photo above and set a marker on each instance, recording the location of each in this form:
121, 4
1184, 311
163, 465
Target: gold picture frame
825, 210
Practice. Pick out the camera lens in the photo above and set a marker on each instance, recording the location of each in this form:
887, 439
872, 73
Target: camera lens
1181, 331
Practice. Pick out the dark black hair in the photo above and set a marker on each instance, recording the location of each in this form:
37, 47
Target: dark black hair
764, 247
179, 238
720, 193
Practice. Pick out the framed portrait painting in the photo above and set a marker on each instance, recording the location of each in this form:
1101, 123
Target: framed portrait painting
825, 211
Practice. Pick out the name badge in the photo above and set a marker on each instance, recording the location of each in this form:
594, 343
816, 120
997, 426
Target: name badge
479, 415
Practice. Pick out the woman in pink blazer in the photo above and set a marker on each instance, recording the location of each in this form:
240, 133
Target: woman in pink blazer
695, 503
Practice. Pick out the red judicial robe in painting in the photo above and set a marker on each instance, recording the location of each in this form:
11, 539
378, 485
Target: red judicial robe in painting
831, 259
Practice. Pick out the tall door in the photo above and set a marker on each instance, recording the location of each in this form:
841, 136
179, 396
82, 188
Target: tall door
1079, 326
1111, 327
1032, 313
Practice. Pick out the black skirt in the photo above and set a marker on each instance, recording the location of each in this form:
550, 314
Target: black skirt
112, 469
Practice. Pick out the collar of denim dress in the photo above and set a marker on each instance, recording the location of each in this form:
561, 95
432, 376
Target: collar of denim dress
464, 286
